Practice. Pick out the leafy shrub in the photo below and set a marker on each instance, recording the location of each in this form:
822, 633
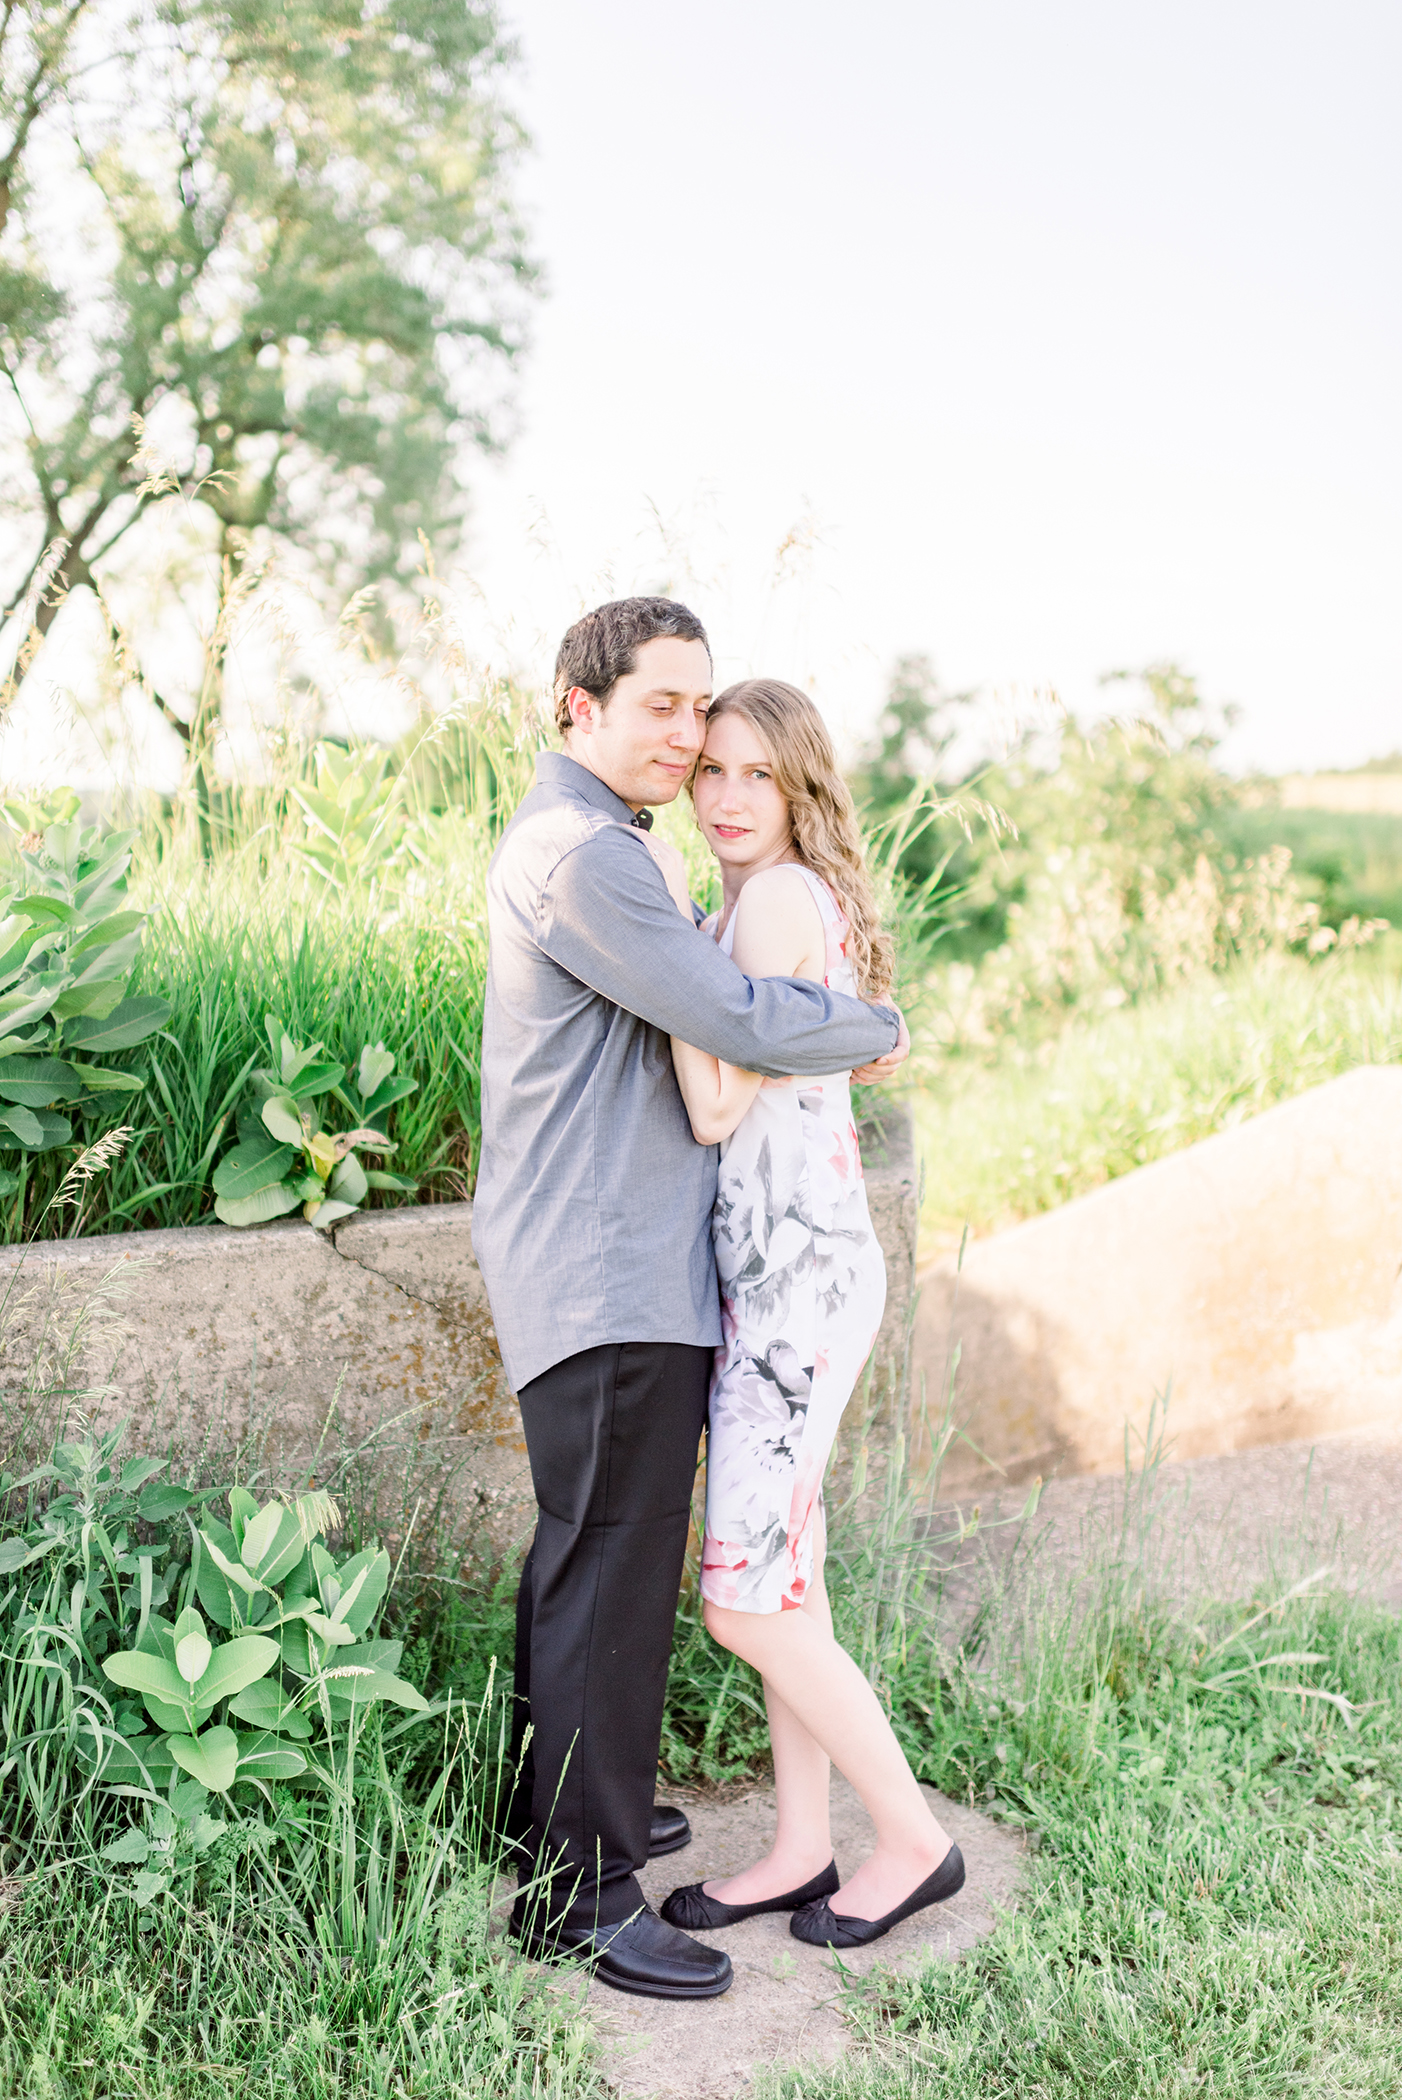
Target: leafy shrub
249, 1646
1122, 878
67, 949
285, 1157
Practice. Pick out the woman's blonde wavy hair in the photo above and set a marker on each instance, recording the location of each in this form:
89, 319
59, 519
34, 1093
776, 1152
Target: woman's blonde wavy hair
826, 835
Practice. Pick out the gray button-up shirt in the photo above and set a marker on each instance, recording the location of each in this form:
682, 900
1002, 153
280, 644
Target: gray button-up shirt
592, 1217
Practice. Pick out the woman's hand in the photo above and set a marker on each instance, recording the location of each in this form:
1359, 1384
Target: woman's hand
673, 870
887, 1067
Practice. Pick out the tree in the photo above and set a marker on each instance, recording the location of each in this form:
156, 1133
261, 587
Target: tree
270, 241
906, 760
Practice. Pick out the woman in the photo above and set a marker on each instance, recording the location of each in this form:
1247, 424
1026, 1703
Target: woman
803, 1286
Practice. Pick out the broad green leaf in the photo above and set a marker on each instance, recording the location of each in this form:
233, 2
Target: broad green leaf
36, 1082
44, 911
314, 1079
296, 1651
53, 1130
114, 959
116, 928
25, 1125
385, 1097
193, 1649
348, 1183
136, 1671
270, 1203
147, 1886
281, 1120
258, 1163
204, 1829
329, 1630
129, 1850
232, 1570
360, 1686
137, 1471
160, 1503
129, 1023
141, 1760
173, 1720
376, 1178
377, 1655
30, 1001
20, 1552
158, 1639
212, 1758
364, 1580
259, 1534
243, 1507
376, 1064
301, 1581
267, 1757
263, 1705
97, 1079
325, 1215
279, 1041
235, 1664
286, 1551
216, 1598
97, 999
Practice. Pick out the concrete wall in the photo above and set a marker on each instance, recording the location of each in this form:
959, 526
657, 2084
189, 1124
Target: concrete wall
249, 1334
1257, 1273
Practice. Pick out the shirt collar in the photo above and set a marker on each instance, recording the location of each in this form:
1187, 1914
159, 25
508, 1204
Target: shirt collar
564, 771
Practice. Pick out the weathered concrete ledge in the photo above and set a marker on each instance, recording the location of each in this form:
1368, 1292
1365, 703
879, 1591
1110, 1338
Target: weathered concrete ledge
259, 1331
1255, 1273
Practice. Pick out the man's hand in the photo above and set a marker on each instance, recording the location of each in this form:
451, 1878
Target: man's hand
673, 870
887, 1067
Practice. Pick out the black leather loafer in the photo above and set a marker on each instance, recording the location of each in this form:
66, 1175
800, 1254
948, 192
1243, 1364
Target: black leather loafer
670, 1831
822, 1927
644, 1956
694, 1911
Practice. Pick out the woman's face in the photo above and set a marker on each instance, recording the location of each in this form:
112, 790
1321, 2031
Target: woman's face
743, 817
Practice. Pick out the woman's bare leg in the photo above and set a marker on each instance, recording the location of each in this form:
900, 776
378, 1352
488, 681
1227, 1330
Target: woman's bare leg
802, 1841
826, 1694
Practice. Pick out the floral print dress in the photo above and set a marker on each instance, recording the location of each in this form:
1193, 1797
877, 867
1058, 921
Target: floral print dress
803, 1288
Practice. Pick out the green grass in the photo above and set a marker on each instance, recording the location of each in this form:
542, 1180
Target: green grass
1213, 1898
1014, 1135
1348, 862
1211, 1791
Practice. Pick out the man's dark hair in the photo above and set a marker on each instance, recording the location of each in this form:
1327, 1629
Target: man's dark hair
603, 646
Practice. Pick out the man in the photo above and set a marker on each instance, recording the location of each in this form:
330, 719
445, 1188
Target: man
592, 1229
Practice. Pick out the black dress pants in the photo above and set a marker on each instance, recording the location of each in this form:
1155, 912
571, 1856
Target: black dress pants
612, 1436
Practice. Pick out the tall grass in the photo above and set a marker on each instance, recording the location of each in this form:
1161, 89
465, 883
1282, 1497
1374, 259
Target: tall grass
371, 931
1031, 1126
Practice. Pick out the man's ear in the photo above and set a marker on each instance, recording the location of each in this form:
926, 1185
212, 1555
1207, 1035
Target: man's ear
584, 709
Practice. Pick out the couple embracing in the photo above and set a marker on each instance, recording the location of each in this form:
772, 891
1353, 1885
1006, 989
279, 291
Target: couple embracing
672, 1226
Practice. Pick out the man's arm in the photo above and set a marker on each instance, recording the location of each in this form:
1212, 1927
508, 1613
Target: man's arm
606, 916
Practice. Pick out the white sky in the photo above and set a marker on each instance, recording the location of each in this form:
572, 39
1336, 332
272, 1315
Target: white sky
1073, 328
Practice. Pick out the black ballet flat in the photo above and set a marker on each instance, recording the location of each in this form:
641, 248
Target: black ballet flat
822, 1927
692, 1910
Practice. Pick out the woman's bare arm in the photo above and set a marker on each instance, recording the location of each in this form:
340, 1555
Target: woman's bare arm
778, 933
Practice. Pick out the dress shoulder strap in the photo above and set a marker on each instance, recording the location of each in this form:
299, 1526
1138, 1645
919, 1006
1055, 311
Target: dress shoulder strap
831, 910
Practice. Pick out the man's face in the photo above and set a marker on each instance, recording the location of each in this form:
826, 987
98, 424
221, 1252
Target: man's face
644, 742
